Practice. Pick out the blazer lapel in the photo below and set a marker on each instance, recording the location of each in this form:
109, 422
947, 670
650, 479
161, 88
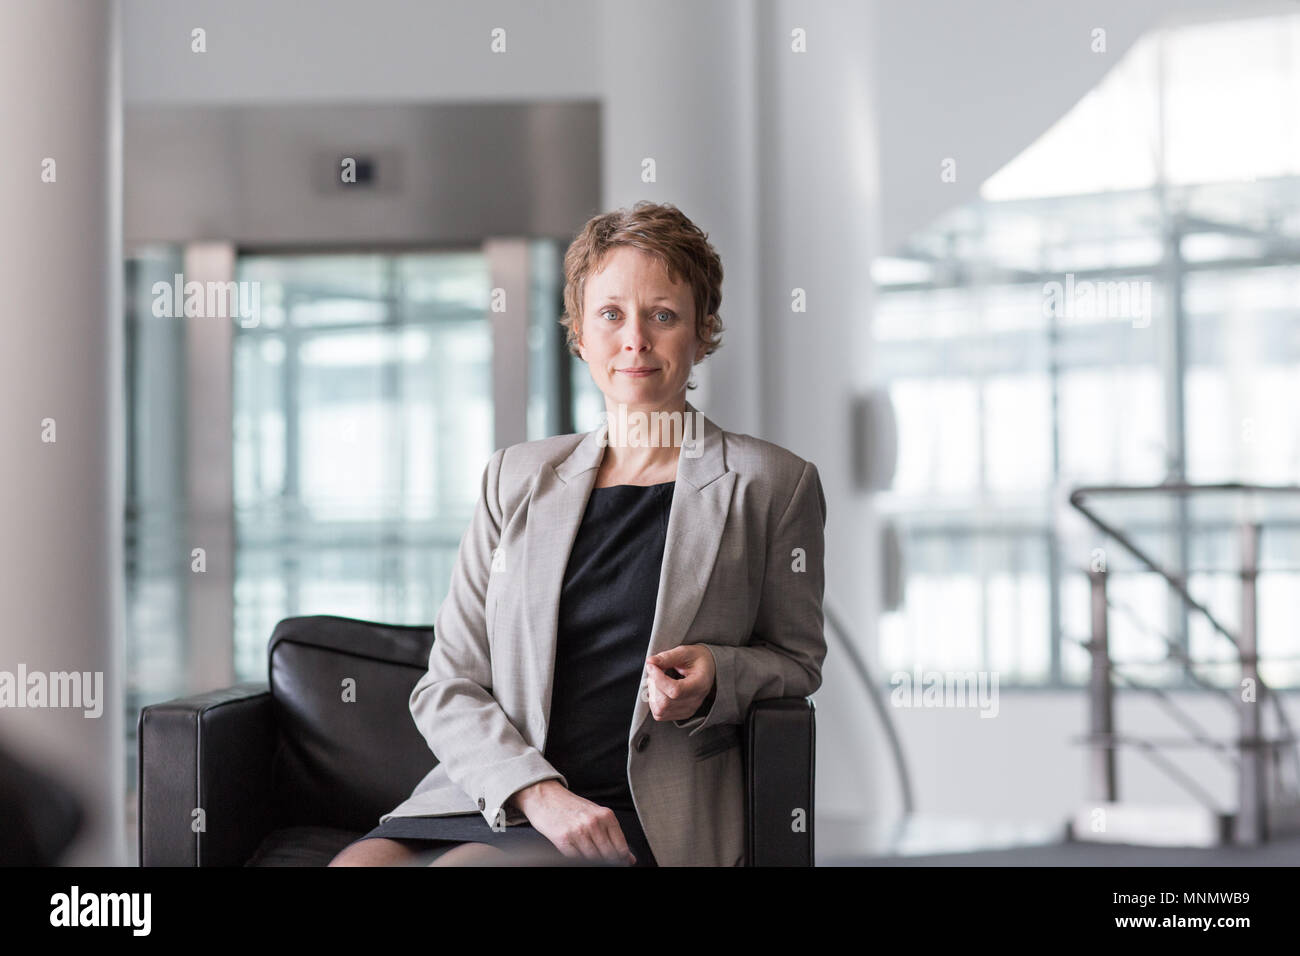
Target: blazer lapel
701, 502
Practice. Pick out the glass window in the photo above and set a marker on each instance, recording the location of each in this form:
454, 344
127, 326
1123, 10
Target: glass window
362, 424
156, 550
1120, 306
549, 385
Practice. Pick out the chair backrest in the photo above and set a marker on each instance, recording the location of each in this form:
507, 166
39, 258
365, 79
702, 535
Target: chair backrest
348, 749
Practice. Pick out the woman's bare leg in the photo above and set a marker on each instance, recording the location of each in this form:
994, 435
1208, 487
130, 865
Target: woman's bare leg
381, 851
378, 851
484, 854
472, 854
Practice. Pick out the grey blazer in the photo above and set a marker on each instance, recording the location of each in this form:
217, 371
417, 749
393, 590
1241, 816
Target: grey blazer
742, 574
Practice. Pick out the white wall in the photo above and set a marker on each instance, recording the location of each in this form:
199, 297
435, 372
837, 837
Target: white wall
378, 51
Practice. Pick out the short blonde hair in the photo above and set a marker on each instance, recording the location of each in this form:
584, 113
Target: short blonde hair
662, 231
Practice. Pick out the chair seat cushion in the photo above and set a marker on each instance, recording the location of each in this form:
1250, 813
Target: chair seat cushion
302, 846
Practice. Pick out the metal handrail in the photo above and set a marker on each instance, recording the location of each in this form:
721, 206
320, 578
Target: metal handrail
1181, 488
1253, 801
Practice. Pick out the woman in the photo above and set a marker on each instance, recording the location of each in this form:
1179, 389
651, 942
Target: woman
670, 576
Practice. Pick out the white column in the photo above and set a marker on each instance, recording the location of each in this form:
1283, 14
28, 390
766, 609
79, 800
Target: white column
209, 473
679, 92
773, 152
508, 266
61, 501
820, 215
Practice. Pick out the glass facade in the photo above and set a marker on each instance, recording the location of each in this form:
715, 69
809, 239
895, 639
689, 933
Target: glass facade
1120, 306
156, 552
362, 416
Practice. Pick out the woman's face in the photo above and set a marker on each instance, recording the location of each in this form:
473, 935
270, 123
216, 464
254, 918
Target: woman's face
635, 318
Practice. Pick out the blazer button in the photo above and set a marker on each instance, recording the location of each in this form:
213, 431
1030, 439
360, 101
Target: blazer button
642, 742
482, 804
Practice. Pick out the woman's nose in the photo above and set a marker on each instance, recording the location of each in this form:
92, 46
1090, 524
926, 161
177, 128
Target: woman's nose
634, 335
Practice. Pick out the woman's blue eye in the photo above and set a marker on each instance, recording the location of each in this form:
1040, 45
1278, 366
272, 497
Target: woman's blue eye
669, 314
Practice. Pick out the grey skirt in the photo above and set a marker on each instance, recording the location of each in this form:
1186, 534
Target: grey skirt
443, 833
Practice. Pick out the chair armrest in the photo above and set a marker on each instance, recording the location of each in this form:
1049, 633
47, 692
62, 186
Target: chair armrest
780, 750
211, 751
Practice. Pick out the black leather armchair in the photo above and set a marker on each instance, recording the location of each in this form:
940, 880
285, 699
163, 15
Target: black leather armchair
281, 775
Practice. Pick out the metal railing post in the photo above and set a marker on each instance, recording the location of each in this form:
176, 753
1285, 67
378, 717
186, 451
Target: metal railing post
1105, 786
1251, 821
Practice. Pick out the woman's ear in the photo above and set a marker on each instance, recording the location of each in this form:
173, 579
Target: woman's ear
701, 350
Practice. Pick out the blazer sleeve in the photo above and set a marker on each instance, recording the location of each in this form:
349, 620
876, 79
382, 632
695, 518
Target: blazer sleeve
452, 703
785, 653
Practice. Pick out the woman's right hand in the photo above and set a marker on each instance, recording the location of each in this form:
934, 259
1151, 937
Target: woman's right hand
577, 827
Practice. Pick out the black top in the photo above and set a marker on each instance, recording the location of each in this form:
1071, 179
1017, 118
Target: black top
607, 608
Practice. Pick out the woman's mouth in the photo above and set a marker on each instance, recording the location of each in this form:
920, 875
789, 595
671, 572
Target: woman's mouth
638, 372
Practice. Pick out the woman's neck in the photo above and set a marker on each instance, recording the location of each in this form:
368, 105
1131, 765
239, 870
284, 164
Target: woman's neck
633, 466
643, 445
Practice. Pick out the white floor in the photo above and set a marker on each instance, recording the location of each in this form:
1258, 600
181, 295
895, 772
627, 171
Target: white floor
947, 841
841, 839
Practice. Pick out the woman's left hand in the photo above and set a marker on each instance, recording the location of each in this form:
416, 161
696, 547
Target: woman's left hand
679, 698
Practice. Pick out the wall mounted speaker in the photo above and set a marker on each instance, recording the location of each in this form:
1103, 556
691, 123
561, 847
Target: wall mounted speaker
875, 440
892, 576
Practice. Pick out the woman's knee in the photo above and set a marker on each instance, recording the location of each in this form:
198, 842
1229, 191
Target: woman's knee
471, 854
376, 851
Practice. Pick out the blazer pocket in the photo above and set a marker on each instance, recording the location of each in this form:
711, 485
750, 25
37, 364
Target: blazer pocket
716, 741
